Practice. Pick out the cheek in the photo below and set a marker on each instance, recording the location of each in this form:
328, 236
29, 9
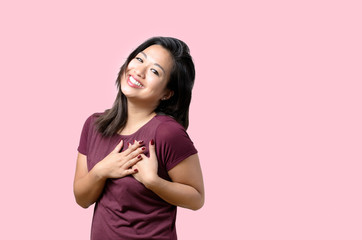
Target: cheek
122, 81
132, 64
158, 85
123, 76
161, 91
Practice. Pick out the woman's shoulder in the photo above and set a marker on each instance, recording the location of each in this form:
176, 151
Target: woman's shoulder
94, 116
168, 122
90, 121
168, 128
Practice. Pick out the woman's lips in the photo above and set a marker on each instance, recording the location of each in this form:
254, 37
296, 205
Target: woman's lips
133, 82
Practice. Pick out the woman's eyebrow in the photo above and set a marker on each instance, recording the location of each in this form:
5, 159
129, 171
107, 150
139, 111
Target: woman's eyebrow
156, 64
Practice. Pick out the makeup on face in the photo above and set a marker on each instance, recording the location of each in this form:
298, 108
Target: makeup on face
133, 82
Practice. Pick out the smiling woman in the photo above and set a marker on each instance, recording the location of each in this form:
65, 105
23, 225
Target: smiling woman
145, 77
136, 162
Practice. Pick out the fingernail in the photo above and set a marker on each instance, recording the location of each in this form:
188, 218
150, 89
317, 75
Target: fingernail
143, 148
139, 156
140, 142
135, 170
152, 142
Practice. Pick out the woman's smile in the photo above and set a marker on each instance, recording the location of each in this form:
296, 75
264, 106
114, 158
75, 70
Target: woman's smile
133, 82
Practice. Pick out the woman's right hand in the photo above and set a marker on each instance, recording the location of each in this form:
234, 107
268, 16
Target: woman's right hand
119, 164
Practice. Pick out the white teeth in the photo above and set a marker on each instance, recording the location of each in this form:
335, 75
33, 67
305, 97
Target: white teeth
134, 81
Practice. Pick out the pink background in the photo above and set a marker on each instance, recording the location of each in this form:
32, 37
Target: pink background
276, 111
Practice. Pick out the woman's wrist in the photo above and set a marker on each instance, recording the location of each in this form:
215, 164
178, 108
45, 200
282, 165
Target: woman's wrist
97, 172
152, 182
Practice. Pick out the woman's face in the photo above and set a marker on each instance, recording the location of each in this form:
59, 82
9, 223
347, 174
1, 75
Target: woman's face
147, 75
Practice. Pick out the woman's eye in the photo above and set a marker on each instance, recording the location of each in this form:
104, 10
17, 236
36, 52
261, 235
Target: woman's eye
155, 71
139, 59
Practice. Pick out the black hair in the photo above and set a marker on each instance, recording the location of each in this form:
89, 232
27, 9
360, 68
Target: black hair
181, 82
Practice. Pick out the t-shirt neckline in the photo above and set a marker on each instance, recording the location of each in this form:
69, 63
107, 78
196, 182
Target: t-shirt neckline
143, 126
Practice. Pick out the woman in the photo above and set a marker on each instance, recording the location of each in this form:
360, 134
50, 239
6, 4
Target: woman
135, 160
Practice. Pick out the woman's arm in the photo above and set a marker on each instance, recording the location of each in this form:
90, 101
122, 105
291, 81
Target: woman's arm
187, 187
88, 186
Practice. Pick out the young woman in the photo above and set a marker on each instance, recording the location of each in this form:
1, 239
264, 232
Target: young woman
135, 160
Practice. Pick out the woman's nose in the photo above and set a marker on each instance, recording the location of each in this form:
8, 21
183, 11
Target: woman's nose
140, 71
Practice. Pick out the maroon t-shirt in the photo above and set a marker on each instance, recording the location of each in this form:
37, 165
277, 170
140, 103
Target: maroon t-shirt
126, 208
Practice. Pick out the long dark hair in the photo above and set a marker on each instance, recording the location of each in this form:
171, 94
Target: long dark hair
181, 82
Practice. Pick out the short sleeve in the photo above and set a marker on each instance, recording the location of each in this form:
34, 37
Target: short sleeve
83, 142
173, 144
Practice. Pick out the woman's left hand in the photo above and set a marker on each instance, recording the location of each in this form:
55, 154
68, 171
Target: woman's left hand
147, 168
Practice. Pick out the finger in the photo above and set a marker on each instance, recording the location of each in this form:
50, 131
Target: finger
130, 171
118, 148
133, 161
152, 148
132, 149
135, 153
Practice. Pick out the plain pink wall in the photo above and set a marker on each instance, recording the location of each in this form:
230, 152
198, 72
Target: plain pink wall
276, 111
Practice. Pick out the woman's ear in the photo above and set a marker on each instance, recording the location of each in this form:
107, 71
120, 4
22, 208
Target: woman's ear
168, 95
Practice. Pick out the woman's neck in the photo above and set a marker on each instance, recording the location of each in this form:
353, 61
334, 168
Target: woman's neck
137, 117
